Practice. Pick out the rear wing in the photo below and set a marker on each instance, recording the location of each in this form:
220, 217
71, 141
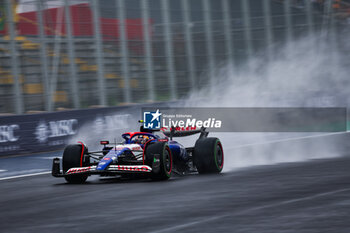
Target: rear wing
176, 133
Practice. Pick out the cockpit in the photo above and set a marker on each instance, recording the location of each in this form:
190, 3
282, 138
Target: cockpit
138, 137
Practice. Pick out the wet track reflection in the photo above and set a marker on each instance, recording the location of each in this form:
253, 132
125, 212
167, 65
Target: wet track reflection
292, 197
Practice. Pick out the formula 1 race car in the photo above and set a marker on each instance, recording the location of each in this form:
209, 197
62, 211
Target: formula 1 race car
142, 154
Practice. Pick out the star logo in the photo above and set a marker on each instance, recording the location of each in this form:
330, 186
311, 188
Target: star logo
156, 115
152, 120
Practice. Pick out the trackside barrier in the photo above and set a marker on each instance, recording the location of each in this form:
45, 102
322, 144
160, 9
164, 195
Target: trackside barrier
293, 149
32, 133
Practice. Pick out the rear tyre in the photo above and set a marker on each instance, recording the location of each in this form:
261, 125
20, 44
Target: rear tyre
158, 156
208, 155
73, 157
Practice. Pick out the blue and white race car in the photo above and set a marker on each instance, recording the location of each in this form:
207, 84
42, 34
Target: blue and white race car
142, 154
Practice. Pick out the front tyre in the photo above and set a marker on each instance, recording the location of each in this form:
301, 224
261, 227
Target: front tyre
208, 155
73, 156
158, 156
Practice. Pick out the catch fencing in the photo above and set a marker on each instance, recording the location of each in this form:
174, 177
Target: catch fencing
78, 54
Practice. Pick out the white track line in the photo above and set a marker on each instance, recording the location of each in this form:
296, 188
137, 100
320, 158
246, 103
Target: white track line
247, 211
26, 175
287, 139
3, 170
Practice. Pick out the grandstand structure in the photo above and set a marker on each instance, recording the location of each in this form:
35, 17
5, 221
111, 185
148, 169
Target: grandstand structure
78, 54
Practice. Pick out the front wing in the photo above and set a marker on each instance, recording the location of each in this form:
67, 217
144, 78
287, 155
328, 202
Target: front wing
91, 170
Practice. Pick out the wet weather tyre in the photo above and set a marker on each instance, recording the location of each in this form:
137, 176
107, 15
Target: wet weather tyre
73, 157
208, 155
158, 156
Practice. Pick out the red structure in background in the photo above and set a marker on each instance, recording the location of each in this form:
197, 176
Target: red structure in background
82, 23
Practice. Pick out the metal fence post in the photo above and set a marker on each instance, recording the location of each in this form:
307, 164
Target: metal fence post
71, 55
332, 33
268, 27
228, 36
148, 49
99, 53
15, 65
43, 55
169, 51
124, 50
209, 41
189, 43
56, 57
288, 18
247, 27
329, 20
309, 17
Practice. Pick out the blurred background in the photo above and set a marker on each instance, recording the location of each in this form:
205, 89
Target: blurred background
60, 54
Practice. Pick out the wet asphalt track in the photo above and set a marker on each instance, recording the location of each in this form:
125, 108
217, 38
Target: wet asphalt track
311, 196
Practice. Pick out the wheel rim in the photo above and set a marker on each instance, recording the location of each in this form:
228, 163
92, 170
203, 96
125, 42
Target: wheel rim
167, 161
219, 156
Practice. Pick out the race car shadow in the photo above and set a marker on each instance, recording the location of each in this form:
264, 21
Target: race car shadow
119, 180
131, 180
96, 180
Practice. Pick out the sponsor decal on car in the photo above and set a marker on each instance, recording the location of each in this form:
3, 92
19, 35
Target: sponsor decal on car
137, 168
79, 170
134, 147
138, 148
128, 168
156, 160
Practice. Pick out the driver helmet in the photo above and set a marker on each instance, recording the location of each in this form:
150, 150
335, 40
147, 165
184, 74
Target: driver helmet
141, 139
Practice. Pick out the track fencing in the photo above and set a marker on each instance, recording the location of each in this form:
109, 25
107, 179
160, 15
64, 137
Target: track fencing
78, 54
